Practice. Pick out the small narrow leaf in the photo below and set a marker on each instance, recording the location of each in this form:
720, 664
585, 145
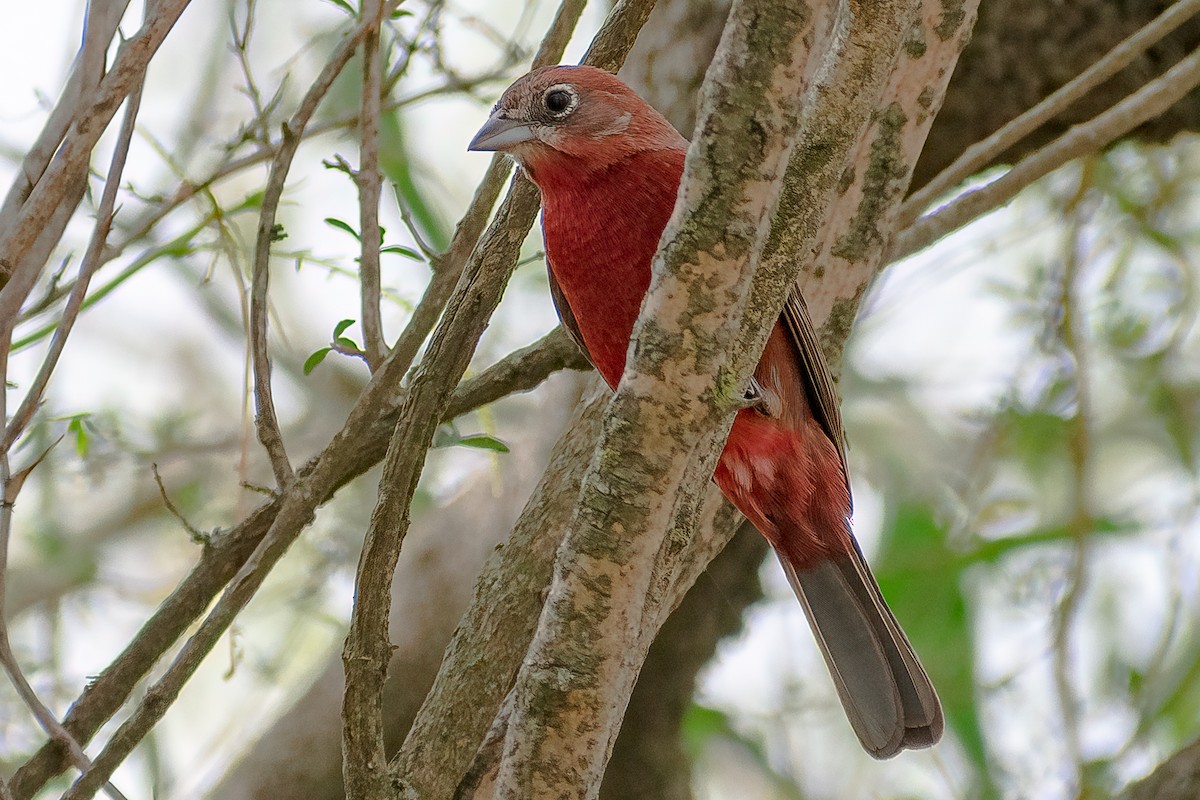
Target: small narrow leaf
407, 252
340, 328
349, 344
316, 358
334, 222
483, 441
77, 428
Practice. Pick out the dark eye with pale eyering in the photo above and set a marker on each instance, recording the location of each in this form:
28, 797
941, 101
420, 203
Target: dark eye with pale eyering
558, 101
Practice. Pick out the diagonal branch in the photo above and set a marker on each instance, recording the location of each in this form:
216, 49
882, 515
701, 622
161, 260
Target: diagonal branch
20, 253
1084, 139
103, 17
979, 155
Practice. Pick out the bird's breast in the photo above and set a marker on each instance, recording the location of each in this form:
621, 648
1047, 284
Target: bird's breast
601, 233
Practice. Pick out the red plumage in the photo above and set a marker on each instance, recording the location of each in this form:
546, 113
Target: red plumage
609, 167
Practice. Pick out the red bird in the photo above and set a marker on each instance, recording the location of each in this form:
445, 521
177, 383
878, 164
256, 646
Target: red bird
608, 167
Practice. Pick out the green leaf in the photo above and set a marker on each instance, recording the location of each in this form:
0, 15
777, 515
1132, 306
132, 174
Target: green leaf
316, 358
349, 344
334, 222
77, 428
400, 13
483, 441
178, 249
253, 200
340, 328
407, 252
342, 4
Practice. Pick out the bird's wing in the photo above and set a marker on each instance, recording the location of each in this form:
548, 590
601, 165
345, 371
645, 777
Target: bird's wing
818, 380
566, 315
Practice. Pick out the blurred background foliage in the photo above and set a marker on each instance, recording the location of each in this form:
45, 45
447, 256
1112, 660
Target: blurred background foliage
1022, 403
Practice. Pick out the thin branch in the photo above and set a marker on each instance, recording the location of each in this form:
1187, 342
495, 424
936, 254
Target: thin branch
369, 181
979, 155
198, 536
1085, 139
103, 17
1074, 337
410, 224
91, 260
9, 487
265, 420
20, 240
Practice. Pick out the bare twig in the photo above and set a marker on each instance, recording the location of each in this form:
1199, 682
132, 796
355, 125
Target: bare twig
406, 217
241, 46
9, 486
369, 182
979, 155
266, 421
19, 241
198, 536
103, 17
1090, 137
1074, 337
91, 260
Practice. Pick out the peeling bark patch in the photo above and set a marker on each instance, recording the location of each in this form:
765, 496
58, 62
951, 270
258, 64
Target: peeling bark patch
847, 180
952, 17
883, 179
914, 44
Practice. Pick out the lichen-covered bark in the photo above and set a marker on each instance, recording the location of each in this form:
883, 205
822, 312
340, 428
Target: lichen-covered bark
571, 693
858, 224
641, 495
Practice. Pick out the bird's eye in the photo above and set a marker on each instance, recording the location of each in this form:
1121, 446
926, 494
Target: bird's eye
560, 100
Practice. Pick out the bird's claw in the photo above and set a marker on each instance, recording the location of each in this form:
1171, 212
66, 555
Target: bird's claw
763, 401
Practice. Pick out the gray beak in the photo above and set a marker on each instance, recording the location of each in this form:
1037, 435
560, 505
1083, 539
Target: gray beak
500, 133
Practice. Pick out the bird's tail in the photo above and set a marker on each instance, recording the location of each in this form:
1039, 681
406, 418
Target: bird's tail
888, 698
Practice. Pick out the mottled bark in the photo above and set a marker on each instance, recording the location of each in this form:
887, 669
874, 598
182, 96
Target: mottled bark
648, 761
1177, 778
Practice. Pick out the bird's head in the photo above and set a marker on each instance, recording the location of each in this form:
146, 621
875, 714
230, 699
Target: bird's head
573, 118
